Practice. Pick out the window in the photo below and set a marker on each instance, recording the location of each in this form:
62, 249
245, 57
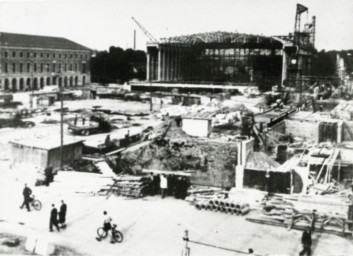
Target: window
34, 55
70, 67
28, 54
28, 67
59, 67
47, 55
35, 67
65, 56
41, 67
81, 56
47, 67
76, 67
6, 68
70, 56
59, 55
13, 67
41, 55
21, 67
5, 54
53, 67
65, 66
14, 54
83, 68
53, 55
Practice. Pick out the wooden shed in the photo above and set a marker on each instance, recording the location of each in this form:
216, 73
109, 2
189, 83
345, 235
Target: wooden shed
41, 152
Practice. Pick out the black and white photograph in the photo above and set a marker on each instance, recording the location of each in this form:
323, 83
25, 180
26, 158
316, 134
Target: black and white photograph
176, 127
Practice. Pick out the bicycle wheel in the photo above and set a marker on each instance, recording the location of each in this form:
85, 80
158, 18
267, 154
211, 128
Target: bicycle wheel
118, 236
37, 205
102, 233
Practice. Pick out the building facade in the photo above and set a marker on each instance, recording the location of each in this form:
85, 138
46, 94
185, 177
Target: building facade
31, 62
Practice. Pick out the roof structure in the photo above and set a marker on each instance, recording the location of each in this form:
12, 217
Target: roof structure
261, 162
46, 143
220, 37
34, 41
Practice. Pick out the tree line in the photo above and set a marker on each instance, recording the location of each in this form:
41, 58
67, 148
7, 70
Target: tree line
118, 65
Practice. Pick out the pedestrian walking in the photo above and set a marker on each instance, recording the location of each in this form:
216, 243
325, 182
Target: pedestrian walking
163, 185
62, 214
26, 197
53, 219
306, 242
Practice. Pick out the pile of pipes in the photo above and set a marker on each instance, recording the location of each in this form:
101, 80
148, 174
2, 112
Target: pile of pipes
129, 186
223, 205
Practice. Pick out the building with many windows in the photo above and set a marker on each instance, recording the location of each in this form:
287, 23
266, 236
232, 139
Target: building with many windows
31, 62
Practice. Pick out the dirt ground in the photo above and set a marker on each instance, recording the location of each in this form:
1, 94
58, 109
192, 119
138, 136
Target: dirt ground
151, 226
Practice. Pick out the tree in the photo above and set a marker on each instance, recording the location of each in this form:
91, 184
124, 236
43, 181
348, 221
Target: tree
118, 65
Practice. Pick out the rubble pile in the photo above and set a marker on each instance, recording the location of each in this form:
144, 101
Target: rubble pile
212, 160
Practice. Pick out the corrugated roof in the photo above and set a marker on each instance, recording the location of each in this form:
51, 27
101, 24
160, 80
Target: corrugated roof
34, 41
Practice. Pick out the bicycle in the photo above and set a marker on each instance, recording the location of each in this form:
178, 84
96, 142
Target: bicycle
116, 234
35, 203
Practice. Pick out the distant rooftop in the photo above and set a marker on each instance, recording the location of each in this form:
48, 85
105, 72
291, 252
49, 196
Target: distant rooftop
34, 41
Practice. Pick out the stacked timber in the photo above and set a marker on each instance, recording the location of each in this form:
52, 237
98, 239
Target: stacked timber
197, 193
129, 186
223, 206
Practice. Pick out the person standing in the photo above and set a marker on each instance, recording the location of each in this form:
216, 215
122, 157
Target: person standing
62, 214
306, 242
163, 185
53, 219
48, 172
26, 197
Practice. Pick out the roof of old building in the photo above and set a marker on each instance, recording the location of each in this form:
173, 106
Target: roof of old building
34, 41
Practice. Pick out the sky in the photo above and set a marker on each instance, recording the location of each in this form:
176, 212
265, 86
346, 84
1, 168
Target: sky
99, 24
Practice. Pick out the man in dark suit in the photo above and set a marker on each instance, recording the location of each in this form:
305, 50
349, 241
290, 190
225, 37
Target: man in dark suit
53, 219
306, 241
62, 213
26, 197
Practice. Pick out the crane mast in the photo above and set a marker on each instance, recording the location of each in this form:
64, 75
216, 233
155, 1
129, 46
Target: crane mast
145, 31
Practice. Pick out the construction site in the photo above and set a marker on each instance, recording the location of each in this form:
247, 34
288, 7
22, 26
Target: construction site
231, 146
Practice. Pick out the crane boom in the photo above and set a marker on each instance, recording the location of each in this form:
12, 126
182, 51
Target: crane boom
145, 31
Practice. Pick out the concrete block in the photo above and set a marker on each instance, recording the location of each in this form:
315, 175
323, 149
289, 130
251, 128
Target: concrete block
44, 247
31, 243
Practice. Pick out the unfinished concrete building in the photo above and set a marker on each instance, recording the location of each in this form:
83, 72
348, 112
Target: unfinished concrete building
232, 58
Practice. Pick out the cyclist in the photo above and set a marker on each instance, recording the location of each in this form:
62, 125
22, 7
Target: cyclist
107, 225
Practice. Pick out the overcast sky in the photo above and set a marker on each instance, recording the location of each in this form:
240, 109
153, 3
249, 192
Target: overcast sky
99, 24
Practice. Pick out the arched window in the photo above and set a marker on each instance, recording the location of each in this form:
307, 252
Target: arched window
13, 68
14, 85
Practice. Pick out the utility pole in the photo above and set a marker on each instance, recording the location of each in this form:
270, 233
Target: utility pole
61, 128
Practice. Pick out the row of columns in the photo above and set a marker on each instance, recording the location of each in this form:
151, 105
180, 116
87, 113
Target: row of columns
168, 64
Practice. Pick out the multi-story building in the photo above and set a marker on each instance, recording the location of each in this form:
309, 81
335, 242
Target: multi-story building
31, 62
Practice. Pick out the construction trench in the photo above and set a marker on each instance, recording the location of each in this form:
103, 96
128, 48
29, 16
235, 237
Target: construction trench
253, 149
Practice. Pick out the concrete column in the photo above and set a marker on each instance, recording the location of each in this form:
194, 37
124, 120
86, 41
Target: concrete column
284, 66
160, 64
339, 131
172, 66
148, 68
167, 65
164, 64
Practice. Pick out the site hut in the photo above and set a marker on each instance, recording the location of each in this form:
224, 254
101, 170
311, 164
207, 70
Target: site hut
33, 62
41, 152
198, 124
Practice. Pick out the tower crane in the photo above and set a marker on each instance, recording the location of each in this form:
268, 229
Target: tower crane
145, 31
